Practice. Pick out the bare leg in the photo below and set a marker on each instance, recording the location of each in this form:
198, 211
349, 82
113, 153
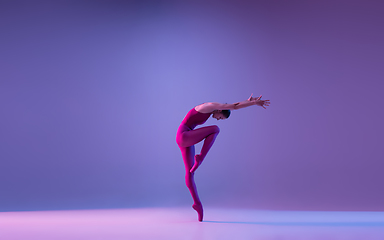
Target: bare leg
188, 153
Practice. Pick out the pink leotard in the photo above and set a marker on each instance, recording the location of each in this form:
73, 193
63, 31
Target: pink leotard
190, 121
194, 118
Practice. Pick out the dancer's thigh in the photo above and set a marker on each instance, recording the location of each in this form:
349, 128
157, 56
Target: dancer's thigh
189, 138
188, 154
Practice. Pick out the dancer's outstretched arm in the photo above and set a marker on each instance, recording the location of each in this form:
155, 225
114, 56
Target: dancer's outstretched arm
252, 101
212, 106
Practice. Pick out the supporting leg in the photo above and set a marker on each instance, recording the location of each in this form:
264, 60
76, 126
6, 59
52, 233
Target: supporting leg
188, 153
186, 141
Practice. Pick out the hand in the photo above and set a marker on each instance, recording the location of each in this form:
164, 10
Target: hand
257, 101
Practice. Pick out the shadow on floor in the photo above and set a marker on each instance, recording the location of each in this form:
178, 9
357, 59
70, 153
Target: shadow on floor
328, 224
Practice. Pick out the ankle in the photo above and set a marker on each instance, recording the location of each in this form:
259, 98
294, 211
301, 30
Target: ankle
198, 158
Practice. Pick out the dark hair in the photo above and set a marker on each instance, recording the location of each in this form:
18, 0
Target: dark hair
226, 113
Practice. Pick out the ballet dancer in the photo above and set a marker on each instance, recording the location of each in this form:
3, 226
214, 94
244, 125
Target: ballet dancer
187, 137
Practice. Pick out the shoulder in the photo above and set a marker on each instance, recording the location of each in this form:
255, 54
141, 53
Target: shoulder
204, 108
209, 107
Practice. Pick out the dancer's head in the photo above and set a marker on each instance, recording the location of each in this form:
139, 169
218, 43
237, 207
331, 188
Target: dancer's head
221, 114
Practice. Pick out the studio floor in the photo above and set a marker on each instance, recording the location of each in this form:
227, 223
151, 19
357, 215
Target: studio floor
182, 224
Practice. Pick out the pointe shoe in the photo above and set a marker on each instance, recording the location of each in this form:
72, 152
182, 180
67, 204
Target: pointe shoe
199, 209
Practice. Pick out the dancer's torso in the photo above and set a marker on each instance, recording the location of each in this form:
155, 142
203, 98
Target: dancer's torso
194, 118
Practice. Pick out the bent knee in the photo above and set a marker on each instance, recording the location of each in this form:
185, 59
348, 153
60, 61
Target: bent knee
216, 129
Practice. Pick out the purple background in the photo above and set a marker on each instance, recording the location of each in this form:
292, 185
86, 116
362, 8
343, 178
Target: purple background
92, 93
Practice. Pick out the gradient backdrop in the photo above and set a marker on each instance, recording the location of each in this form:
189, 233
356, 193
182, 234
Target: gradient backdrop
92, 93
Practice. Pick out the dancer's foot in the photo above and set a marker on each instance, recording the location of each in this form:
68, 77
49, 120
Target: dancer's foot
198, 161
199, 210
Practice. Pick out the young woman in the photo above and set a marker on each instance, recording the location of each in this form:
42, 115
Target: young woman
187, 137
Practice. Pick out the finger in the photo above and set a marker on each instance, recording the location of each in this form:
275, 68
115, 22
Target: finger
259, 97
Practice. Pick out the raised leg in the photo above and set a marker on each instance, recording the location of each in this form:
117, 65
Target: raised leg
190, 138
208, 142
